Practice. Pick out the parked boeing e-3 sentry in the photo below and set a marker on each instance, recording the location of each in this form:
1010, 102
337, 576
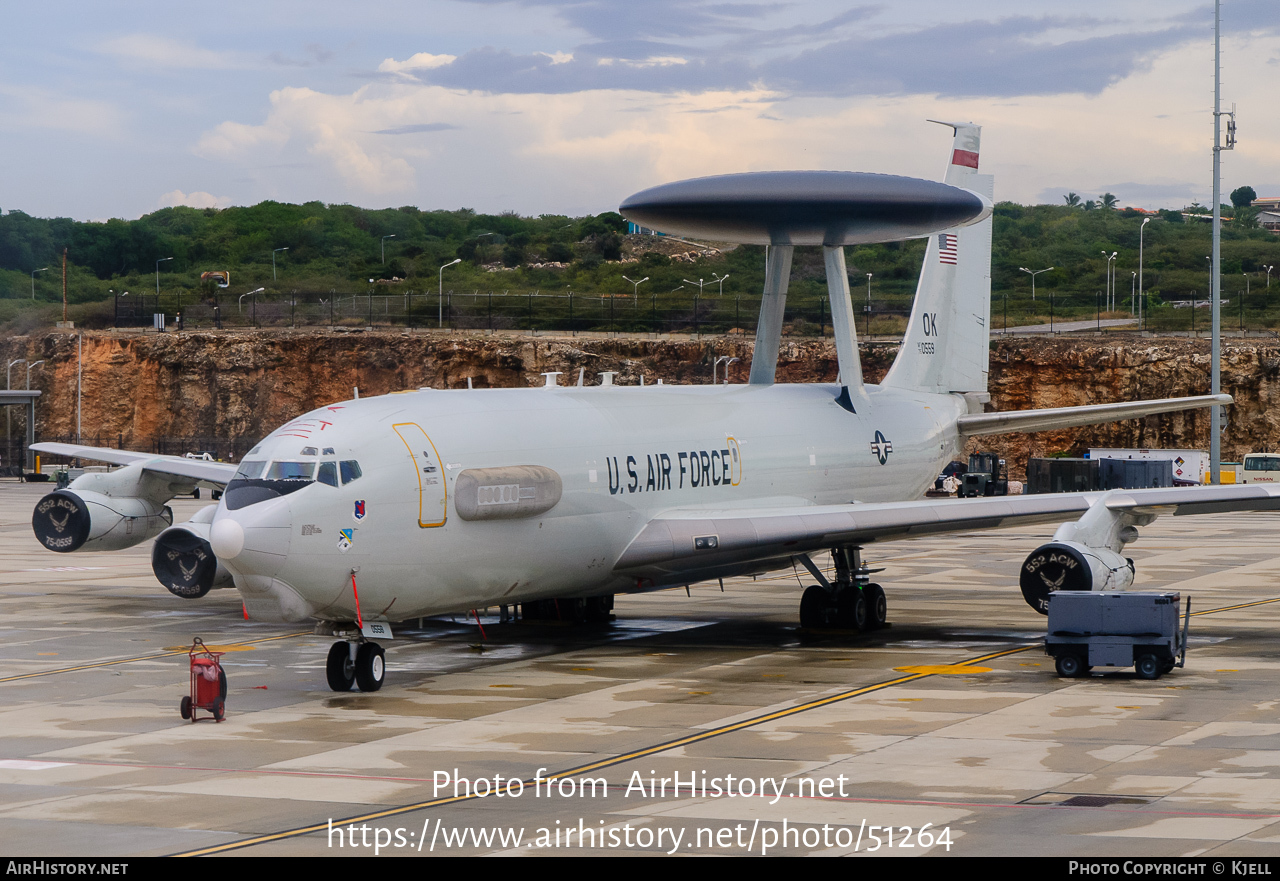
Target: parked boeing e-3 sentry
372, 511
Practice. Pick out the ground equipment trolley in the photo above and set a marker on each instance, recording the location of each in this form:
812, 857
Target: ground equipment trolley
1138, 629
208, 683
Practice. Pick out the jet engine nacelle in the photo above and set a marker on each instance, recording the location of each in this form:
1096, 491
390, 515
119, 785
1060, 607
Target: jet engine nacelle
184, 562
72, 520
1069, 565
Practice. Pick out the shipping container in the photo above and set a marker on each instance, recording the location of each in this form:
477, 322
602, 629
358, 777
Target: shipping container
1189, 466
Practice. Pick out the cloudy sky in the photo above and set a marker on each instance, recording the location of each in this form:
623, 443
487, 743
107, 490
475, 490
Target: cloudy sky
568, 106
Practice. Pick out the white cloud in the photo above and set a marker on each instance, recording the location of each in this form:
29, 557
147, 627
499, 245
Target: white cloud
557, 57
652, 61
197, 199
418, 61
585, 151
339, 129
158, 51
41, 108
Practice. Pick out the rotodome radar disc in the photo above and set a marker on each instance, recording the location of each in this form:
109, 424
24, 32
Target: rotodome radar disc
804, 208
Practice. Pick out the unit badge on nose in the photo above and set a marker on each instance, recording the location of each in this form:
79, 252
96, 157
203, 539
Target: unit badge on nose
881, 447
359, 512
346, 537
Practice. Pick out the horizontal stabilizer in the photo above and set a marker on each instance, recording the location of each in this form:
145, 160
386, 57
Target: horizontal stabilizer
1069, 417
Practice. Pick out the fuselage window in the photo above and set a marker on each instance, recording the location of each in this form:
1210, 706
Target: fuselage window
328, 451
308, 451
350, 470
328, 473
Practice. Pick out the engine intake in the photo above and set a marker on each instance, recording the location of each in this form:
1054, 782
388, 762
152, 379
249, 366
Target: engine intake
1069, 565
67, 521
184, 562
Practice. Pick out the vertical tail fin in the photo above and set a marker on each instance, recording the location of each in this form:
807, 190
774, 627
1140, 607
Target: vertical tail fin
946, 345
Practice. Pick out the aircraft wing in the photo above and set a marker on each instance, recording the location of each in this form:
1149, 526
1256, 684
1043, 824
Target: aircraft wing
1068, 417
218, 473
688, 540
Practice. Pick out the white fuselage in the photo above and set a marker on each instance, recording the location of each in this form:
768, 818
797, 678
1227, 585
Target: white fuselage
623, 455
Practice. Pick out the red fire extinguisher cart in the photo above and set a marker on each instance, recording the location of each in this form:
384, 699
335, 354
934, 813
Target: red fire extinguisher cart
208, 684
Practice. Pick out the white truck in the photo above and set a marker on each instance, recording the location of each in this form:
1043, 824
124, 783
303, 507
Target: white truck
1261, 468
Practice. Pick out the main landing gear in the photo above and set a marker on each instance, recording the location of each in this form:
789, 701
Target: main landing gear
356, 663
851, 602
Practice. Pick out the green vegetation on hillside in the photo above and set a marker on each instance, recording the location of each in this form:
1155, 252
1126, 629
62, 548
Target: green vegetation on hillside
329, 268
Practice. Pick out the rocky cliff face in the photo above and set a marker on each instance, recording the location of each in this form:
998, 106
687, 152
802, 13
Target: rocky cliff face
136, 387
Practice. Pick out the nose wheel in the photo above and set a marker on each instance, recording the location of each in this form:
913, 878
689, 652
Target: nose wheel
356, 663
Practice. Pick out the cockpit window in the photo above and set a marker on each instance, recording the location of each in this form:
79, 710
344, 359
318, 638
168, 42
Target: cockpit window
291, 471
308, 451
350, 470
257, 481
328, 473
249, 470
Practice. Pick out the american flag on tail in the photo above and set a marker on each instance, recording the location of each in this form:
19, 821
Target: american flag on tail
947, 249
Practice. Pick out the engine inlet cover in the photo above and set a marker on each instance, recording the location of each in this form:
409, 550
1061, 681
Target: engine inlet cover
61, 522
184, 563
1053, 567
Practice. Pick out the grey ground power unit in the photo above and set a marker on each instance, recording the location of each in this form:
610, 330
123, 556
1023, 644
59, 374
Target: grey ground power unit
1139, 629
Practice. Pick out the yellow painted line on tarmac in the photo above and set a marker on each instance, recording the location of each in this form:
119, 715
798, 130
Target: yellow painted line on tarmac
967, 666
167, 653
1233, 608
235, 647
942, 669
605, 763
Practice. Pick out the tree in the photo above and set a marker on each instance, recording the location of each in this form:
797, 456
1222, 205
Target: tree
1245, 217
1242, 197
1109, 201
1072, 200
1089, 205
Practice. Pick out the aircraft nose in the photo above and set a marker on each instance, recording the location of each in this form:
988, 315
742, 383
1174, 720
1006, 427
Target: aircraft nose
227, 538
253, 540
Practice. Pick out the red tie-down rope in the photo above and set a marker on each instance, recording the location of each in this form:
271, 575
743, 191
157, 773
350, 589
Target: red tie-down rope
356, 593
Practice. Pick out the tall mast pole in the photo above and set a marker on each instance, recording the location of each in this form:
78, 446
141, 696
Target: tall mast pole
1215, 412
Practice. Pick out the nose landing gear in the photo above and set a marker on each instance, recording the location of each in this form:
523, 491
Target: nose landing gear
356, 663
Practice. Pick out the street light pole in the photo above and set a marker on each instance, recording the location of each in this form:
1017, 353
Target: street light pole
635, 289
1033, 281
1246, 294
240, 302
273, 261
441, 305
33, 280
1141, 229
8, 419
384, 247
1111, 286
158, 262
